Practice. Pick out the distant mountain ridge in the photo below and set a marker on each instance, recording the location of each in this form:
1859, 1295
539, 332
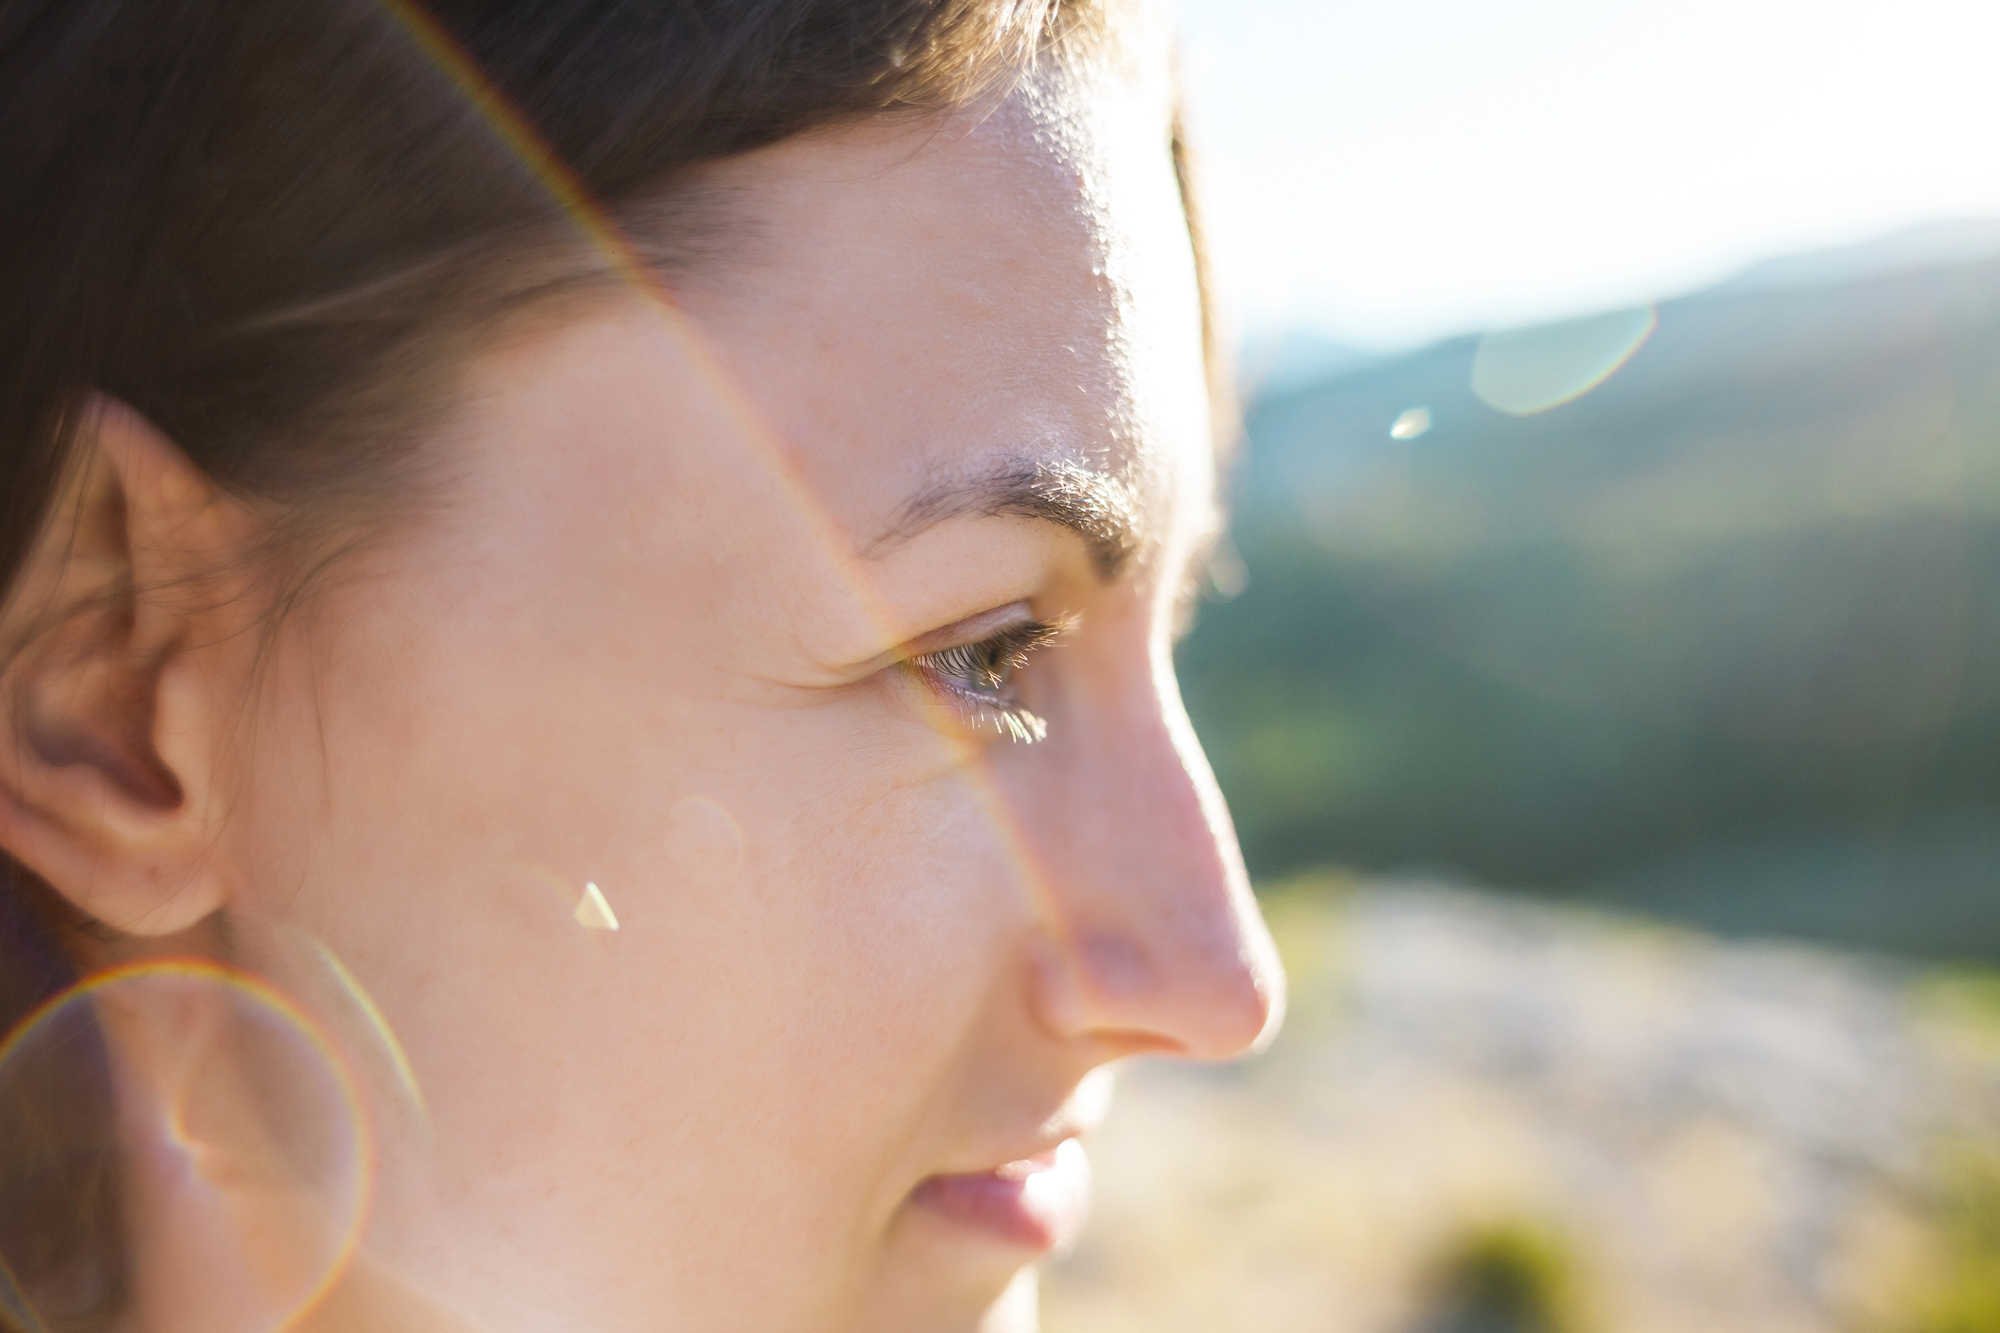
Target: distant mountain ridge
1940, 244
1853, 388
1283, 360
1742, 595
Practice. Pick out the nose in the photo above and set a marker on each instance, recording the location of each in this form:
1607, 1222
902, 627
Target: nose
1151, 939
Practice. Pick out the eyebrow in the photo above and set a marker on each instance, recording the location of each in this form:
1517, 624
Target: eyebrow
1097, 506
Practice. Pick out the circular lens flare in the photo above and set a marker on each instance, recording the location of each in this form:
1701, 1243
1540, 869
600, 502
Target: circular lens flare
242, 1157
1525, 371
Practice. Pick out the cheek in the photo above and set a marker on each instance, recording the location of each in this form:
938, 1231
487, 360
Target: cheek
804, 945
898, 910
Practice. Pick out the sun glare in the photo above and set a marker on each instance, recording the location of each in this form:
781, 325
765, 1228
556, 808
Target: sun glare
1395, 173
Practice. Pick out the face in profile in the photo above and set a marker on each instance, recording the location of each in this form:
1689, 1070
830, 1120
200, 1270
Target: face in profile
752, 803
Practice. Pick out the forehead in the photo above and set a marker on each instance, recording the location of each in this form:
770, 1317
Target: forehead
916, 304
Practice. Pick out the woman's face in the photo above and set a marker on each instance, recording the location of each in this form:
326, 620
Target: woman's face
752, 612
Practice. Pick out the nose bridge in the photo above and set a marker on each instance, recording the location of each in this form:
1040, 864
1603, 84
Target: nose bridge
1160, 942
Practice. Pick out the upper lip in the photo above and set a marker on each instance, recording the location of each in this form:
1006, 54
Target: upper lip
1078, 1116
1046, 1151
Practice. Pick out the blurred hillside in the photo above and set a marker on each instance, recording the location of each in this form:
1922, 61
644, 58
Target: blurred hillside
1719, 638
1486, 1115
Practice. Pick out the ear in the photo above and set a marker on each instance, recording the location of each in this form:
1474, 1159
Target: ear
127, 637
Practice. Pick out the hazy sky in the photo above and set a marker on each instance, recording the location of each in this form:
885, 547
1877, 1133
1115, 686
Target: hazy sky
1392, 170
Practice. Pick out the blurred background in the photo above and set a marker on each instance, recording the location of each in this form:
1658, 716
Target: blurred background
1605, 679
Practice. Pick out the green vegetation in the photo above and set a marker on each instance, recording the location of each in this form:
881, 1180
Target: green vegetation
1306, 921
1509, 1277
1967, 1298
1719, 640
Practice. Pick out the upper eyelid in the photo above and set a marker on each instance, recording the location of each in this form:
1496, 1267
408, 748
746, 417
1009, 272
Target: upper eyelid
965, 630
964, 633
1027, 637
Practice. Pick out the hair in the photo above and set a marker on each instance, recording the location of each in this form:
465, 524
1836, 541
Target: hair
272, 227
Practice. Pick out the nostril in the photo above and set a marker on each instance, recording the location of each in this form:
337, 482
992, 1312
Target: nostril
1211, 999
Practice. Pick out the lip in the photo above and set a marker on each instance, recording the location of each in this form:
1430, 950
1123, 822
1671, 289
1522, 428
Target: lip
1038, 1203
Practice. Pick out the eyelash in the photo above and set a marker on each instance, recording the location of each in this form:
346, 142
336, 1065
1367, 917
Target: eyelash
976, 677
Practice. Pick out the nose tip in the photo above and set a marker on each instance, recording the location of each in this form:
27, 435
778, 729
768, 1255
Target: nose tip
1267, 975
1211, 990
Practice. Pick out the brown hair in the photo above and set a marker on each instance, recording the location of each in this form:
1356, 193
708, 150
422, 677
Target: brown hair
270, 226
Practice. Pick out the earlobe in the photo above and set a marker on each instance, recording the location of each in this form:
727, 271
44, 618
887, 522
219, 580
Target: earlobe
120, 630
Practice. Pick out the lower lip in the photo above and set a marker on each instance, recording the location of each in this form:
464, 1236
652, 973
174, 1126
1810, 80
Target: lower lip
1038, 1204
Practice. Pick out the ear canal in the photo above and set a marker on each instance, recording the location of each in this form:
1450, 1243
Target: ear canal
63, 742
99, 712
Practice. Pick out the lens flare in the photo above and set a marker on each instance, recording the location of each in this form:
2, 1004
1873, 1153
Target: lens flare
593, 912
707, 841
516, 133
374, 1023
239, 1135
1525, 371
1411, 423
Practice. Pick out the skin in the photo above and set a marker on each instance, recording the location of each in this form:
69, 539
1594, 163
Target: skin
651, 636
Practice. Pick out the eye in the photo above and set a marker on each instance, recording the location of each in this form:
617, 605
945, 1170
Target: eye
977, 679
